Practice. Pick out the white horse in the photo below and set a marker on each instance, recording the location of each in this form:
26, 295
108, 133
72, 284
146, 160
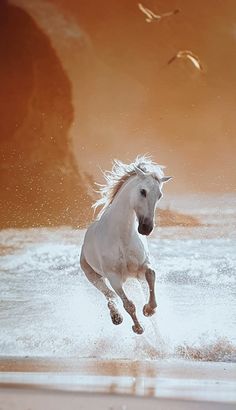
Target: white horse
115, 245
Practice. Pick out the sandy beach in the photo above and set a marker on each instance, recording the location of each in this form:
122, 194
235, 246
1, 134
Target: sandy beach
37, 399
111, 384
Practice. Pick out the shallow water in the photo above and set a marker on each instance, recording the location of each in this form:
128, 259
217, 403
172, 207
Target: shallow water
49, 308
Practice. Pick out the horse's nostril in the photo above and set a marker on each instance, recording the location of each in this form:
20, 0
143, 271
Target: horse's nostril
147, 228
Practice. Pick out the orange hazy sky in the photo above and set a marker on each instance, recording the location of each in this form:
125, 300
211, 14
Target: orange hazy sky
128, 100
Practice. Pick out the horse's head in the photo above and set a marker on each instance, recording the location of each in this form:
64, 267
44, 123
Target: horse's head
147, 193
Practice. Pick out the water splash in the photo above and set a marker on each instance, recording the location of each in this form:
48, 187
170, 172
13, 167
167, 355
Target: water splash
49, 308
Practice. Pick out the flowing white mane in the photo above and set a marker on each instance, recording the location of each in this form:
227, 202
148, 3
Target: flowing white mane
119, 174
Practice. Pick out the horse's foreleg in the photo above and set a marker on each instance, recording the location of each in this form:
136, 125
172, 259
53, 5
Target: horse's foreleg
128, 304
99, 282
150, 307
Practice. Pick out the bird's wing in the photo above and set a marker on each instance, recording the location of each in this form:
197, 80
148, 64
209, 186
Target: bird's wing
192, 57
195, 61
146, 11
149, 13
170, 13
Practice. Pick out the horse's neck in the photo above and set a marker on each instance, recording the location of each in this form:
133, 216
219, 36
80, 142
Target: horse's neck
122, 215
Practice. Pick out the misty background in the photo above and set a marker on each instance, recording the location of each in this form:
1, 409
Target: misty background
85, 82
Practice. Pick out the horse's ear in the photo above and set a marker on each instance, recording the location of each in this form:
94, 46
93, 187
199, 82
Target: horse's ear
166, 179
139, 172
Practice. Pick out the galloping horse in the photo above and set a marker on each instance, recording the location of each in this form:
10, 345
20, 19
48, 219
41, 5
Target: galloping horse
115, 245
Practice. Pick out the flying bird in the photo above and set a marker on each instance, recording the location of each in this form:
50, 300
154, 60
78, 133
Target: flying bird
151, 16
188, 55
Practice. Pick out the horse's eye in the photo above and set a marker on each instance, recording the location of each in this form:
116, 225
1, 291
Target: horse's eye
143, 192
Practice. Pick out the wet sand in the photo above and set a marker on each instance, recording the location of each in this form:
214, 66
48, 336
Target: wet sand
36, 382
38, 399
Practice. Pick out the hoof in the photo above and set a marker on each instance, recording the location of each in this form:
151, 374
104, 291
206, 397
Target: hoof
138, 329
148, 311
117, 319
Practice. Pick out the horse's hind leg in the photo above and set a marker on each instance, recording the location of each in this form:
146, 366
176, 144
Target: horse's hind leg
99, 282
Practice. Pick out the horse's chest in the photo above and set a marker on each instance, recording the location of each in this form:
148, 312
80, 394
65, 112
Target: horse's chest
133, 264
134, 259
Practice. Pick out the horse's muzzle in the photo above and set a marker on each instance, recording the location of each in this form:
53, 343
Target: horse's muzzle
145, 226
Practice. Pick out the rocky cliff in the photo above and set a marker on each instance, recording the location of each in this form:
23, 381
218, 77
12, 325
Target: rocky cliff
40, 182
